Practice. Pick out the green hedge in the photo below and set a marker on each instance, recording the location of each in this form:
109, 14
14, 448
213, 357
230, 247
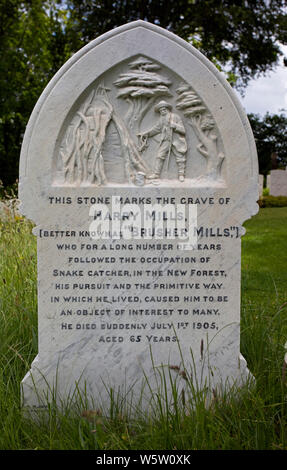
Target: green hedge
273, 201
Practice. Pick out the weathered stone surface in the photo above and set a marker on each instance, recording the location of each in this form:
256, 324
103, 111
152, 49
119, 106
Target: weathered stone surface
261, 181
138, 117
278, 183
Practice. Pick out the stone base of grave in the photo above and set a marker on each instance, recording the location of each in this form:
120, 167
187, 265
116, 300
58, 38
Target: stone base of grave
40, 390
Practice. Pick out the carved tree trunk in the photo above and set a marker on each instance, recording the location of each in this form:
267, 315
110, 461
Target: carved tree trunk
208, 148
82, 157
133, 159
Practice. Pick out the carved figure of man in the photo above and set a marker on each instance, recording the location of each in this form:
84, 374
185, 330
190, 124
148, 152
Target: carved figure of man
172, 140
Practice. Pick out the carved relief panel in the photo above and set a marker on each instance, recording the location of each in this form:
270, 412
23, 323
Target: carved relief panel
143, 125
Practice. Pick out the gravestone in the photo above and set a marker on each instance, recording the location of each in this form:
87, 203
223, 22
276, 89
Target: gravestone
268, 182
138, 168
278, 182
261, 182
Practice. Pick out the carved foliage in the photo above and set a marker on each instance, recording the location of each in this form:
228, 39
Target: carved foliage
143, 87
203, 124
140, 86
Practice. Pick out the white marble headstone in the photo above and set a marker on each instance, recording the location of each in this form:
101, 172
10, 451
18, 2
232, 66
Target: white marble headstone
136, 124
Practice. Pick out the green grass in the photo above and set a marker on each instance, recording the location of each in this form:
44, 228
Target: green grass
254, 419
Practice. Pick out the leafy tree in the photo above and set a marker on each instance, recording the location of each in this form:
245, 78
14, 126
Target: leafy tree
270, 136
32, 48
239, 35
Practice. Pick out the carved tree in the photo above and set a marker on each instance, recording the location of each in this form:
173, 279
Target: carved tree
76, 148
203, 125
81, 151
140, 87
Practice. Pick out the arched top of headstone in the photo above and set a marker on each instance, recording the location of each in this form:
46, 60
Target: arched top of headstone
98, 121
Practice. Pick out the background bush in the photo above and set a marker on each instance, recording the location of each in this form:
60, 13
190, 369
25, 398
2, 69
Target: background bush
273, 201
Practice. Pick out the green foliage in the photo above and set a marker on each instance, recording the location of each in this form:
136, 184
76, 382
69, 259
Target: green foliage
241, 36
38, 36
270, 136
8, 192
273, 201
266, 191
32, 48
